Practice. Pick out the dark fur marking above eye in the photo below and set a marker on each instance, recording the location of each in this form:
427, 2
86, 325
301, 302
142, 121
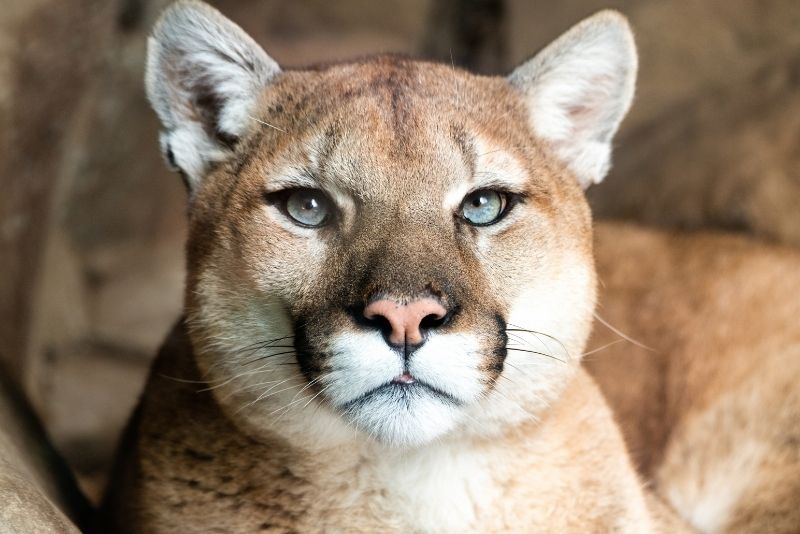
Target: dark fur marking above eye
465, 145
400, 105
330, 140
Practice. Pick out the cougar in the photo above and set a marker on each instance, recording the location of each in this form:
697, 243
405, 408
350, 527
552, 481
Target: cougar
390, 288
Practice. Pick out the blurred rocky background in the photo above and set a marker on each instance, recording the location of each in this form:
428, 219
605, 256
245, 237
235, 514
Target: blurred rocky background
92, 224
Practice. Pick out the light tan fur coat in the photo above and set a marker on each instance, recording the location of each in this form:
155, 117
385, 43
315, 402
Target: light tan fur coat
280, 403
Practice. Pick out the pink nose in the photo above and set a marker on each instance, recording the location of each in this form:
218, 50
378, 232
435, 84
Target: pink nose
405, 320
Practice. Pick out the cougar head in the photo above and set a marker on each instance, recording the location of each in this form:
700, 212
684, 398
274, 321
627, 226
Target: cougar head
387, 251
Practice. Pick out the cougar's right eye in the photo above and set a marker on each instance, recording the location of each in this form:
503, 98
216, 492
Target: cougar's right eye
310, 208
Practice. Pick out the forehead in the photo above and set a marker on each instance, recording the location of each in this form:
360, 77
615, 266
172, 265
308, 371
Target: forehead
392, 123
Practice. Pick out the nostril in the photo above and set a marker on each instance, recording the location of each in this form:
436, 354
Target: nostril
379, 322
386, 316
433, 320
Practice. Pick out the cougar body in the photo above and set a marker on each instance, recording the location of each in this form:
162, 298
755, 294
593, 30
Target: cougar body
390, 288
707, 396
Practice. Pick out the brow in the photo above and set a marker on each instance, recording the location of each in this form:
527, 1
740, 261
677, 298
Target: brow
466, 145
292, 176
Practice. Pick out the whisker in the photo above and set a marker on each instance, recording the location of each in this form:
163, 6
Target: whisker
182, 380
252, 350
230, 379
263, 397
515, 367
598, 349
264, 394
317, 394
308, 385
264, 342
455, 80
622, 334
537, 352
294, 400
261, 369
265, 123
517, 328
518, 338
251, 387
214, 384
284, 353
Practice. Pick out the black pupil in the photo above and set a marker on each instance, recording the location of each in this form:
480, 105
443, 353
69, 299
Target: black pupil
310, 204
479, 201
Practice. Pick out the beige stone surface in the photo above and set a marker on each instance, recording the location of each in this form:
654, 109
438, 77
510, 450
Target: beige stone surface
37, 493
40, 94
729, 158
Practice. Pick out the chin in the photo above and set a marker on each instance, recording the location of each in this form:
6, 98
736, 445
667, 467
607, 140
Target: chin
403, 416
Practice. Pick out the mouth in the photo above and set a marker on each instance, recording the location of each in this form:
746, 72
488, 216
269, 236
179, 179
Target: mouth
403, 389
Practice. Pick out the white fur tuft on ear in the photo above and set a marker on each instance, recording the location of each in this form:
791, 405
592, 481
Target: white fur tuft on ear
204, 75
578, 90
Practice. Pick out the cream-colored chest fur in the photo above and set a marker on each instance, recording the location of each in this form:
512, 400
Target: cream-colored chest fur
443, 488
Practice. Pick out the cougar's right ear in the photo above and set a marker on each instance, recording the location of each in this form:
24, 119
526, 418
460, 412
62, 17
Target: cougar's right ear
203, 78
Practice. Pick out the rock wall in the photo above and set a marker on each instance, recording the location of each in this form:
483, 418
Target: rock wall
38, 492
40, 96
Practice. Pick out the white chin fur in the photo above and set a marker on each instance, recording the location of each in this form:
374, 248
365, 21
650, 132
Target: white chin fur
406, 417
411, 416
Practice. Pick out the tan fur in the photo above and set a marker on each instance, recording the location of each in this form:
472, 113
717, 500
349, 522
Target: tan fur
712, 413
506, 432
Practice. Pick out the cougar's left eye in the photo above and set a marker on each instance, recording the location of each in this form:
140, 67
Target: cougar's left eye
307, 207
484, 207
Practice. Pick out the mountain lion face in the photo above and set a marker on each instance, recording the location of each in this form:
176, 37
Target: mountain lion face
386, 250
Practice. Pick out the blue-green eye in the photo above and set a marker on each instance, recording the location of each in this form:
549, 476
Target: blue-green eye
484, 207
308, 207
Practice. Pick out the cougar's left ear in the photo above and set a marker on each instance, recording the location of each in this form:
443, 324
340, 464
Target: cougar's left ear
204, 75
578, 90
